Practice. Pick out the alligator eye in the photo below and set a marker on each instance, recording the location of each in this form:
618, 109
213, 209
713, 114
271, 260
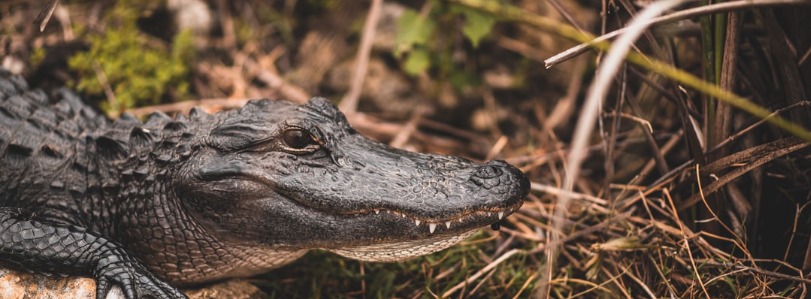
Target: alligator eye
297, 138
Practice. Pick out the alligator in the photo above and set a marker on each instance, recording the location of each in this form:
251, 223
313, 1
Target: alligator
174, 202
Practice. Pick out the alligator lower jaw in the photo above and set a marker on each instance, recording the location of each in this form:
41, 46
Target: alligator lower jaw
403, 250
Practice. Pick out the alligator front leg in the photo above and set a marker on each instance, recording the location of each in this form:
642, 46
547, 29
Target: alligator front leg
42, 247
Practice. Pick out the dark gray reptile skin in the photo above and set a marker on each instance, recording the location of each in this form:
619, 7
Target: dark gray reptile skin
188, 201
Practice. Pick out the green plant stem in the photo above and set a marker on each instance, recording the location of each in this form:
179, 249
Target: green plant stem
512, 13
708, 59
719, 34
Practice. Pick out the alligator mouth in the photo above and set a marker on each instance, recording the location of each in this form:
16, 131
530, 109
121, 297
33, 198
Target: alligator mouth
464, 219
427, 235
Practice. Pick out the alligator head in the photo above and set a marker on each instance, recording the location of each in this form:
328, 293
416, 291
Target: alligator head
300, 177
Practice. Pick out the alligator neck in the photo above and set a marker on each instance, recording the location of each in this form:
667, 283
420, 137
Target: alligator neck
175, 247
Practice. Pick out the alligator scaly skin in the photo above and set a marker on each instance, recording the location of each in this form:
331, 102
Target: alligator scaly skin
192, 200
45, 197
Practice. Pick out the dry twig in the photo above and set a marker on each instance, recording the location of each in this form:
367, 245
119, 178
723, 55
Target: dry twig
349, 104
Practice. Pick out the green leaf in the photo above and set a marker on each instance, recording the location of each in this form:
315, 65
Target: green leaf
477, 24
462, 79
417, 62
413, 29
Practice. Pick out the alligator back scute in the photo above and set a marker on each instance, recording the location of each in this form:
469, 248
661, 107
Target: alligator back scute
40, 138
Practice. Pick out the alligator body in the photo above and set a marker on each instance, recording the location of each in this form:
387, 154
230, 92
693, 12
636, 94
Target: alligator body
175, 202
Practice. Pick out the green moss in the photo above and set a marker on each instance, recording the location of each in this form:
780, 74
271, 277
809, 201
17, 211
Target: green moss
37, 56
136, 71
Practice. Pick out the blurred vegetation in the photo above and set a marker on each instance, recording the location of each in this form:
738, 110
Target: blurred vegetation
136, 71
423, 42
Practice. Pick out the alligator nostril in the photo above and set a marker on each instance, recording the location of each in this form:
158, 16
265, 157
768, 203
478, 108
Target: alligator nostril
488, 172
498, 163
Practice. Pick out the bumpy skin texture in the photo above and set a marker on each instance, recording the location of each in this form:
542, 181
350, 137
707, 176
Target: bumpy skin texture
188, 201
65, 249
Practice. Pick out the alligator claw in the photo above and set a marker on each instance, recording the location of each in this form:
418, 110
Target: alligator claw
135, 281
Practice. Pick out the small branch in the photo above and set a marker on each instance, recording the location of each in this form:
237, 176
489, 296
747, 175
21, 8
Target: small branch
349, 103
187, 105
754, 157
805, 57
482, 271
759, 271
685, 240
758, 123
402, 137
641, 121
275, 81
683, 14
496, 149
45, 15
546, 189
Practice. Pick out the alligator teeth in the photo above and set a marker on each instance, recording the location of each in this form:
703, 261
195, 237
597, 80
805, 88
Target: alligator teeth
431, 227
377, 211
500, 215
418, 222
448, 224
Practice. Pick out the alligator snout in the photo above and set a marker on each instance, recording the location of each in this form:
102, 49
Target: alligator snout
498, 173
490, 170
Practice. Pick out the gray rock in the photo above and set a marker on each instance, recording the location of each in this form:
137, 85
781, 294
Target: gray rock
22, 285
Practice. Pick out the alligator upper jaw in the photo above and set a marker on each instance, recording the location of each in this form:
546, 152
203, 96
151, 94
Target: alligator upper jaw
395, 195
